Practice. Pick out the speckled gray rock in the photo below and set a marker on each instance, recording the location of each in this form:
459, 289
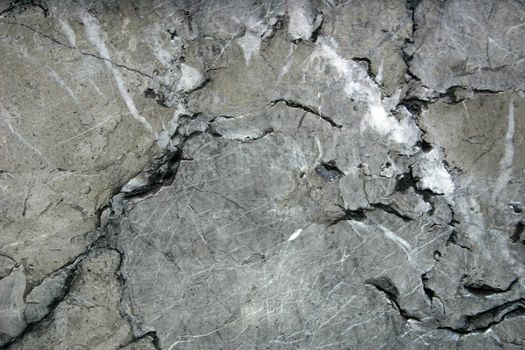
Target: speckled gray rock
262, 175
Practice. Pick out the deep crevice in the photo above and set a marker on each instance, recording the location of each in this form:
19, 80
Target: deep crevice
453, 239
389, 289
134, 70
483, 290
159, 98
517, 207
360, 214
295, 104
406, 181
162, 174
368, 63
329, 171
482, 321
135, 327
391, 210
356, 215
150, 336
426, 289
68, 283
318, 30
518, 230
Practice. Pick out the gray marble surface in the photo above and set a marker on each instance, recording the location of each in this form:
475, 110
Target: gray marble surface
262, 175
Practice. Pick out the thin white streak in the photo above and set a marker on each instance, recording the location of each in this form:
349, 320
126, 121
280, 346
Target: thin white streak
87, 130
93, 33
379, 76
68, 31
404, 245
20, 137
295, 235
63, 84
505, 163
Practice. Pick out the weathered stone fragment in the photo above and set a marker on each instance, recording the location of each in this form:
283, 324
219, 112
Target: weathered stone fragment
89, 316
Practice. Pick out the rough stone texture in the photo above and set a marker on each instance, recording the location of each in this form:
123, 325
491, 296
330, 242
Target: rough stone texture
41, 297
88, 317
71, 130
12, 304
146, 343
469, 43
262, 175
378, 30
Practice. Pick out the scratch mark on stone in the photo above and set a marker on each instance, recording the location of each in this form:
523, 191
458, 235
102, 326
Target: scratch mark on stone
20, 137
336, 313
87, 130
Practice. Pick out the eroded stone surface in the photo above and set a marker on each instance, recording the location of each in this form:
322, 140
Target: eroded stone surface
276, 175
88, 317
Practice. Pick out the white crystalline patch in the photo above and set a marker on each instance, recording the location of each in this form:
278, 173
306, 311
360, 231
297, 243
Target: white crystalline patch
298, 158
190, 79
505, 163
162, 55
250, 45
295, 235
135, 183
301, 24
422, 207
255, 25
433, 175
68, 31
229, 129
165, 136
379, 76
405, 131
288, 62
163, 139
359, 86
379, 120
241, 135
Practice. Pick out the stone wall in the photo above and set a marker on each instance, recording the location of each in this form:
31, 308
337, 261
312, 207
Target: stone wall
262, 174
